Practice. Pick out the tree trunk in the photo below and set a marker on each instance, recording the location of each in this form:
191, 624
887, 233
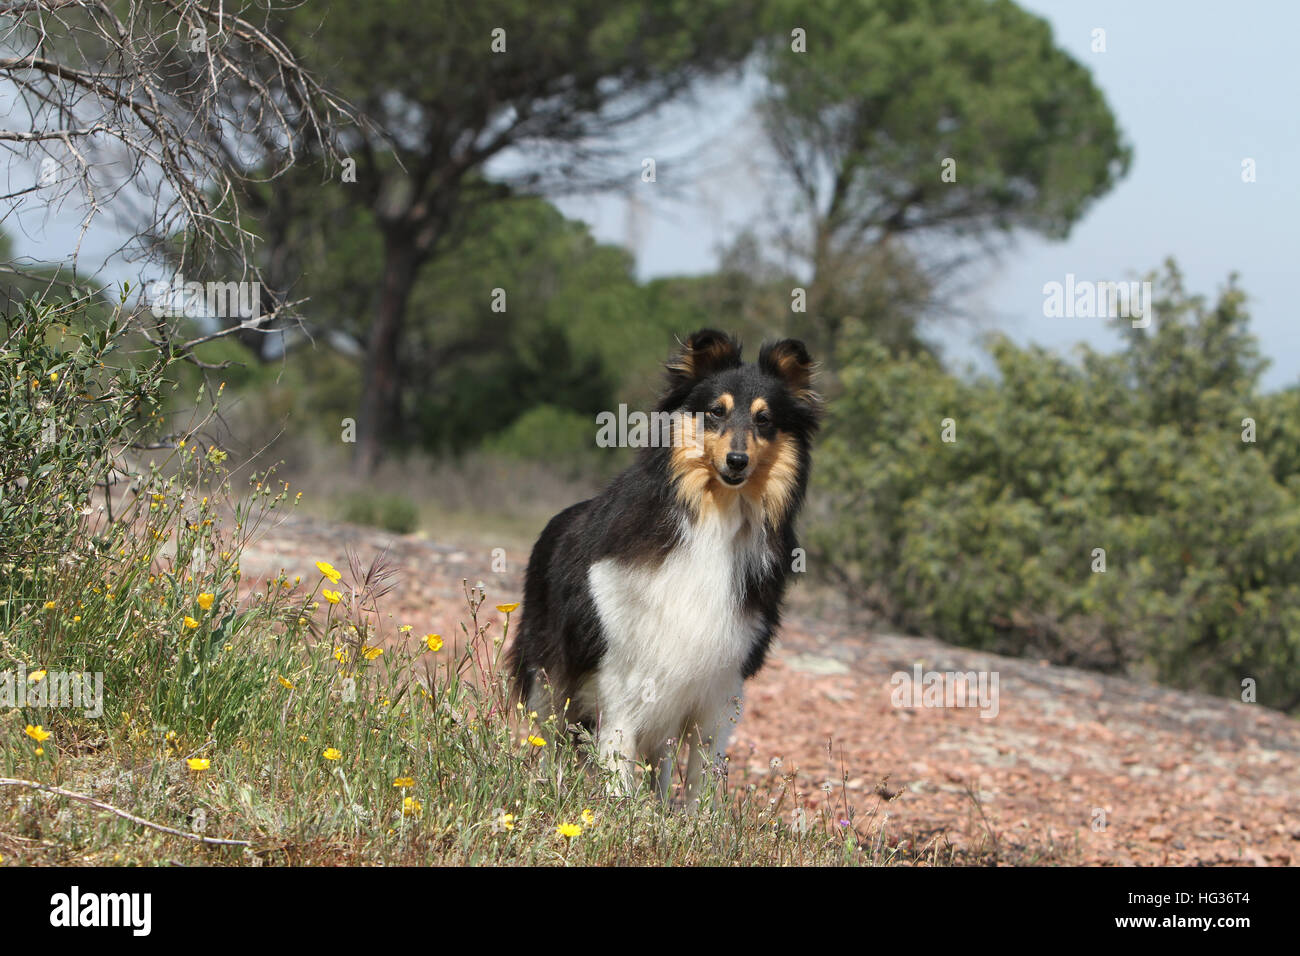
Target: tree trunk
380, 417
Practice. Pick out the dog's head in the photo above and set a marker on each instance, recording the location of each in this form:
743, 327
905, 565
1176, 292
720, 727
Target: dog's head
745, 428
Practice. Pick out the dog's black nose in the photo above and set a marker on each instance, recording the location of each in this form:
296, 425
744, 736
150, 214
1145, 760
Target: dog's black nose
737, 460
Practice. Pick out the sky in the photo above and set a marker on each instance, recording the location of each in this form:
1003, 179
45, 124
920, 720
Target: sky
1197, 88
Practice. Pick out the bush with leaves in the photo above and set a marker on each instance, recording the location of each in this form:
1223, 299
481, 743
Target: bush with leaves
997, 539
64, 411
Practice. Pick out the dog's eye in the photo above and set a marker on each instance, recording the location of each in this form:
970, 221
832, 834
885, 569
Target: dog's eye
762, 419
718, 410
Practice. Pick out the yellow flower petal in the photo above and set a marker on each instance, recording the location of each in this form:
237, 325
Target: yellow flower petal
507, 608
433, 642
199, 763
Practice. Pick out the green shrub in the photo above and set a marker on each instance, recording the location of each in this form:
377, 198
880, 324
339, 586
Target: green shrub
990, 540
558, 437
63, 411
391, 512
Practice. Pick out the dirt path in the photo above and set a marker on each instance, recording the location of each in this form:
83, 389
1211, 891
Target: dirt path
1175, 778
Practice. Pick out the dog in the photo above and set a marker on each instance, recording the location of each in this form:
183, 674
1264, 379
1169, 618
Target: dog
647, 607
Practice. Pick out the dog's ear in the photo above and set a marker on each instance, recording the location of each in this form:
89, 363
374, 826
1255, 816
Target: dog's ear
789, 361
702, 354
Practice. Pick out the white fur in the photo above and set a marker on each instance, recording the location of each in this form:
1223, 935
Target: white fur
677, 639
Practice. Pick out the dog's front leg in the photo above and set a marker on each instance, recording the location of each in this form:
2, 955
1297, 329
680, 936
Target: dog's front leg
617, 751
664, 771
709, 738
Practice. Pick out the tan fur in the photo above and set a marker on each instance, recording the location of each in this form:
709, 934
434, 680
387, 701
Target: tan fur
775, 479
797, 374
771, 486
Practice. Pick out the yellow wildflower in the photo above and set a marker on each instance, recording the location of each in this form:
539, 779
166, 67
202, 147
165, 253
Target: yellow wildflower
568, 830
433, 642
404, 782
190, 622
331, 754
507, 608
199, 763
205, 600
331, 596
37, 733
329, 571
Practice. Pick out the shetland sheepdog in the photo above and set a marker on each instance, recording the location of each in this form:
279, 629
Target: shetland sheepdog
647, 607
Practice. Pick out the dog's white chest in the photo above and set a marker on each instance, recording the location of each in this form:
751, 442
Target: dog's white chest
677, 634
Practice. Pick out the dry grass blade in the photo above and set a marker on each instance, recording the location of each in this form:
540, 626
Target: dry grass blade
376, 580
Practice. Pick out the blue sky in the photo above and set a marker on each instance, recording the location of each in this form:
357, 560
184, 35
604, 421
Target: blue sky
1197, 87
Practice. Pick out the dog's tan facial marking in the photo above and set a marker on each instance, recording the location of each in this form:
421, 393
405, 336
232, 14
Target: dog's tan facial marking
699, 457
775, 480
689, 460
727, 401
696, 460
758, 405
